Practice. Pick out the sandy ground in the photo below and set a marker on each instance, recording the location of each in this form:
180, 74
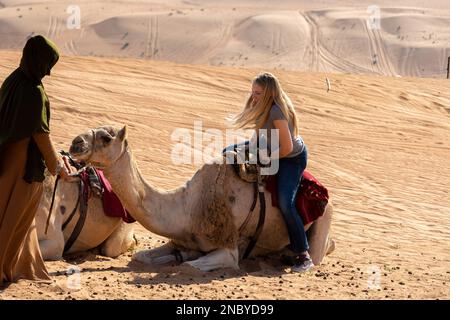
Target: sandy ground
408, 37
380, 144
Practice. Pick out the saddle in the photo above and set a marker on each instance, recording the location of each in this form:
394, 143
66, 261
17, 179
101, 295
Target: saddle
92, 182
312, 196
246, 164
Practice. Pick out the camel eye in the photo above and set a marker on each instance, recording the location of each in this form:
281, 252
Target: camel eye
106, 139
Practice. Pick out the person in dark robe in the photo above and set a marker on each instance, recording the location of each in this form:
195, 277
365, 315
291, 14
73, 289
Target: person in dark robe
26, 150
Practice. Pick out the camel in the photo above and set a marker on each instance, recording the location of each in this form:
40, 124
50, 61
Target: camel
110, 234
202, 218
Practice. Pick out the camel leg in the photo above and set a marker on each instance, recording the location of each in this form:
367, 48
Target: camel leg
320, 244
52, 249
52, 243
164, 254
220, 258
119, 241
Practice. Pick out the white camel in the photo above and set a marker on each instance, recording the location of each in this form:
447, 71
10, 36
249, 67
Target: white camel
203, 217
112, 235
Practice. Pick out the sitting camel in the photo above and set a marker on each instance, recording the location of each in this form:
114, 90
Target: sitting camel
202, 218
111, 234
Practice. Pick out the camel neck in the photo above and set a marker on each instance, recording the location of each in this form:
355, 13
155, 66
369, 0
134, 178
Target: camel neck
159, 212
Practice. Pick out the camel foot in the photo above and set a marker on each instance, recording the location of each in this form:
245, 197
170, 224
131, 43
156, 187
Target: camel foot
220, 258
164, 255
159, 255
146, 257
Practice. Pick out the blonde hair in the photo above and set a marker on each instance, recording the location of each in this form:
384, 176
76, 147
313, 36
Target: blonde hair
255, 116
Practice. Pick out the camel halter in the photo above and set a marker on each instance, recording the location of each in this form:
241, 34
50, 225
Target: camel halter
98, 164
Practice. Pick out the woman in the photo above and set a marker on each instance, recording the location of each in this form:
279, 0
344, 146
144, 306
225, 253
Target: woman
25, 151
270, 108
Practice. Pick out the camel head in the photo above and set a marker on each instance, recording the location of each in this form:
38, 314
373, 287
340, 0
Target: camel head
101, 146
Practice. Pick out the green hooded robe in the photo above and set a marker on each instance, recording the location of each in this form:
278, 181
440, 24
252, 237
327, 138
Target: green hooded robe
24, 105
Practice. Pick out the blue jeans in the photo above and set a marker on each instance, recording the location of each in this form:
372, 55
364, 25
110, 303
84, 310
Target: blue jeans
289, 178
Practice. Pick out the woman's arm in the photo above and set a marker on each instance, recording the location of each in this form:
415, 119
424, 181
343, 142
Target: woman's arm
286, 145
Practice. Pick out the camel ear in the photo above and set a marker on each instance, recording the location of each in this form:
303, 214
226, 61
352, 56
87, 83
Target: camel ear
122, 134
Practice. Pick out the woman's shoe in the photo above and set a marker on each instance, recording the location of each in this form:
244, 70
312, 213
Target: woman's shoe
303, 264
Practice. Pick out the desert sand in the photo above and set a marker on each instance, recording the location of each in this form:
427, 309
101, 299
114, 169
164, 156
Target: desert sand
326, 36
380, 144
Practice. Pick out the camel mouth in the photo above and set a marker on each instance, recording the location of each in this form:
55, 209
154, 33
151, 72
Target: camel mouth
79, 149
79, 154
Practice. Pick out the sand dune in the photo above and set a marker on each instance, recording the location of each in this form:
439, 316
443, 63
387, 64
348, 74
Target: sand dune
380, 144
324, 36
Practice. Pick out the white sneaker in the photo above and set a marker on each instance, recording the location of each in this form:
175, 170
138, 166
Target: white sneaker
304, 266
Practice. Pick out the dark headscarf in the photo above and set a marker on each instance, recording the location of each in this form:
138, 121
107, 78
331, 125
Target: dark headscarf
24, 105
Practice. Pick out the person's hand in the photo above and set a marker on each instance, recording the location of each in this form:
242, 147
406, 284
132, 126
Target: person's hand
64, 173
69, 168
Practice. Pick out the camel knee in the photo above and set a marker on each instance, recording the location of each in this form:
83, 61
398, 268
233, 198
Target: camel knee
120, 241
51, 250
111, 251
114, 249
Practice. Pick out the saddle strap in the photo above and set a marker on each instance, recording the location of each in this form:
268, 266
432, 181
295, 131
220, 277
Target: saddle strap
82, 202
262, 214
72, 214
51, 205
250, 213
259, 227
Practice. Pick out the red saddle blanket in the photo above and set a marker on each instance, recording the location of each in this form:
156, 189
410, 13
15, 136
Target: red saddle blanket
112, 206
312, 197
111, 203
